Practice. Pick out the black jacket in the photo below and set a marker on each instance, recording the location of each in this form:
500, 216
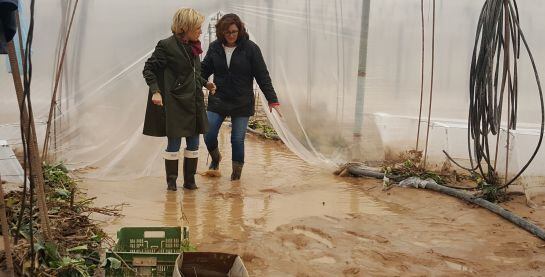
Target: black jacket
234, 95
8, 8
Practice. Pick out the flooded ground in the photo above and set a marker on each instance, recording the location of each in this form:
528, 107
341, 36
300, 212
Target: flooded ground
286, 218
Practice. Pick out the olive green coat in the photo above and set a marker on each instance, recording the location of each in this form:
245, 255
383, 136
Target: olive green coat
173, 70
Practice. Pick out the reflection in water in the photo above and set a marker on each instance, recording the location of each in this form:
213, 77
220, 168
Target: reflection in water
171, 211
191, 213
354, 202
236, 214
276, 188
210, 221
285, 217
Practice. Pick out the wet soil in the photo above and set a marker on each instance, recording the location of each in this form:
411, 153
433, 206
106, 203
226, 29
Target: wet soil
287, 218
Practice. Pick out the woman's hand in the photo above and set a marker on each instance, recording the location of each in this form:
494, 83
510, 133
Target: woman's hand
211, 87
157, 99
276, 107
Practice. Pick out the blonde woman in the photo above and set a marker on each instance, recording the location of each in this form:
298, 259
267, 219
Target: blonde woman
176, 102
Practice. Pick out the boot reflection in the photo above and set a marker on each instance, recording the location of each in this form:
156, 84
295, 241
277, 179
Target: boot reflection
171, 208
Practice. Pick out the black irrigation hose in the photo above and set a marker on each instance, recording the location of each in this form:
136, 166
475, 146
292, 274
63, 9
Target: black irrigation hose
540, 91
421, 74
359, 171
455, 191
493, 39
513, 218
26, 135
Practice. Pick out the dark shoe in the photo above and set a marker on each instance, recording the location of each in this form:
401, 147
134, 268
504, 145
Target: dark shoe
171, 169
191, 186
237, 170
216, 159
190, 168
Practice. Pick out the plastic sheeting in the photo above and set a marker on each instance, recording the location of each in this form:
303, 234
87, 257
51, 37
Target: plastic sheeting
312, 51
10, 168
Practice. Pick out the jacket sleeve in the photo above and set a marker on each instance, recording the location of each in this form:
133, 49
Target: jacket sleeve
261, 75
207, 66
156, 63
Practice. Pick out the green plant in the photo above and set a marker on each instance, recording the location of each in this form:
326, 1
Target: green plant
56, 176
490, 192
267, 131
187, 246
71, 251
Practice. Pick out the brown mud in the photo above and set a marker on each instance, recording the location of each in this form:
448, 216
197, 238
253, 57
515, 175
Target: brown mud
287, 218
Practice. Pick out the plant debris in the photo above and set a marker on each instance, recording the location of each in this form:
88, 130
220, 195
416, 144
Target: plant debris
410, 164
263, 129
74, 249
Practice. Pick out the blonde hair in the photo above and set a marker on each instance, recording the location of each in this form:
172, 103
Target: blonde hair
186, 19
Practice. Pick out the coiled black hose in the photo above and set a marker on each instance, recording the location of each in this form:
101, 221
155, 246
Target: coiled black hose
497, 42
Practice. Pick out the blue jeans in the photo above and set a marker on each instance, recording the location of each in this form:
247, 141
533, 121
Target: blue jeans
238, 133
192, 143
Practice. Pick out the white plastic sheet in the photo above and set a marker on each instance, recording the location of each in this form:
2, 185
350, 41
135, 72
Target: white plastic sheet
312, 51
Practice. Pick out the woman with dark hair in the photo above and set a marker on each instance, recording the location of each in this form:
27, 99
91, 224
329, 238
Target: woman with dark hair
235, 61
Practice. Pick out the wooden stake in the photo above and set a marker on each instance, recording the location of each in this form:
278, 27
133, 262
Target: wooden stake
5, 231
35, 161
57, 79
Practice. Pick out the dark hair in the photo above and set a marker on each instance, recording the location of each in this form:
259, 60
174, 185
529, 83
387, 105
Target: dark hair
223, 25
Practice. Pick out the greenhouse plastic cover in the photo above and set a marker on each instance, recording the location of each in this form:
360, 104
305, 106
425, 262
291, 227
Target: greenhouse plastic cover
312, 49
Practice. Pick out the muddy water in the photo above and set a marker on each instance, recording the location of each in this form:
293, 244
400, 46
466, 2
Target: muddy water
276, 188
286, 218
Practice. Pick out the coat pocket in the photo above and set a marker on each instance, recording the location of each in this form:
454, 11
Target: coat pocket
183, 86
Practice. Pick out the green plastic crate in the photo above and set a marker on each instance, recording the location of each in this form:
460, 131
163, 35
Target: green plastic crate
151, 251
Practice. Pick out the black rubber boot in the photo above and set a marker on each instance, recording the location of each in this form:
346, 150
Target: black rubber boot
237, 170
171, 169
190, 168
216, 159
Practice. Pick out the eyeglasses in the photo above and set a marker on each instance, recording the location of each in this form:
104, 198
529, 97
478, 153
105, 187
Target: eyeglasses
229, 33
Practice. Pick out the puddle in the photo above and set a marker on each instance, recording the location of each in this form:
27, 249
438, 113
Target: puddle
504, 260
314, 236
456, 266
270, 194
323, 260
282, 209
